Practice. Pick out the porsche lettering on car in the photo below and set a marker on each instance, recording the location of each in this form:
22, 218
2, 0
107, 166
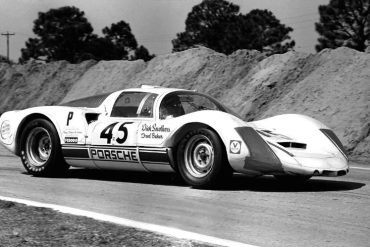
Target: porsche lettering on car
160, 129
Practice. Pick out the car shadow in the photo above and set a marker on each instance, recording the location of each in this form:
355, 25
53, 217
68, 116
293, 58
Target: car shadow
270, 184
237, 183
127, 177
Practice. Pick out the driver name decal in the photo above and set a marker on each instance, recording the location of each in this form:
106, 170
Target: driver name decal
153, 131
113, 154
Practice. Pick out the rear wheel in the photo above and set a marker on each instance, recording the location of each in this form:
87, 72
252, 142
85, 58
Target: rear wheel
201, 159
40, 149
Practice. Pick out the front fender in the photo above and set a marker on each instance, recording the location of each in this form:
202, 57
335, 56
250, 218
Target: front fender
318, 137
222, 123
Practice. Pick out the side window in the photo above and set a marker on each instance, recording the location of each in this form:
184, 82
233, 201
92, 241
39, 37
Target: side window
174, 105
134, 104
171, 107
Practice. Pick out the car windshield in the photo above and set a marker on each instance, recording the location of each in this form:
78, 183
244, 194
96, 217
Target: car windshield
181, 103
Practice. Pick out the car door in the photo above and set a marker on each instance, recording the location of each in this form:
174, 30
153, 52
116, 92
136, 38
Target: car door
114, 136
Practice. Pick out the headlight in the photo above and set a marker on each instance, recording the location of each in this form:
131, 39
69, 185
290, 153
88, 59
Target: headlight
5, 130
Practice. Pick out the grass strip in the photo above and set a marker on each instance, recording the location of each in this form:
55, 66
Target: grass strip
22, 225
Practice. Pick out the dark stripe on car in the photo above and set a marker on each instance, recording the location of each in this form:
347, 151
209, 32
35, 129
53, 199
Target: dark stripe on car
262, 157
75, 153
146, 154
152, 156
335, 140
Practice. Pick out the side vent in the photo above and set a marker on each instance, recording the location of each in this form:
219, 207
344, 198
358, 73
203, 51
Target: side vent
91, 117
293, 145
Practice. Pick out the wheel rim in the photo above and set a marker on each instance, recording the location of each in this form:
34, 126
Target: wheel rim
38, 146
199, 156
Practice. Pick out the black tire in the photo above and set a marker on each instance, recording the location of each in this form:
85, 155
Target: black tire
292, 179
40, 149
201, 159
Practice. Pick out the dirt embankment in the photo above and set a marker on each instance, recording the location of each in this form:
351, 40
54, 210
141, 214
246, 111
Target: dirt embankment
332, 86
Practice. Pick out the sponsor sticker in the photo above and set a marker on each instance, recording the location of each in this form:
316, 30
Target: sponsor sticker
72, 132
235, 147
71, 139
5, 130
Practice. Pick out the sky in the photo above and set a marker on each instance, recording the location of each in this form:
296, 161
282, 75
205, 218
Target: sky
153, 22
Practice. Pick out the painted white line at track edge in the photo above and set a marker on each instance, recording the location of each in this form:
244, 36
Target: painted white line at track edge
169, 231
359, 168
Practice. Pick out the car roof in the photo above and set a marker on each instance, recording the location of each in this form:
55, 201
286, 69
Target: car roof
155, 89
97, 100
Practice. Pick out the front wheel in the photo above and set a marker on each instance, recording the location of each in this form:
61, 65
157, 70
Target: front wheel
40, 149
201, 159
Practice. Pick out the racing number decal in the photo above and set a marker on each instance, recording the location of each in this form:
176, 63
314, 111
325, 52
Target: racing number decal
107, 133
70, 116
125, 134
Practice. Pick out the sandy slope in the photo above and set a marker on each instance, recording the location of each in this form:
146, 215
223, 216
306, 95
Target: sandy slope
332, 86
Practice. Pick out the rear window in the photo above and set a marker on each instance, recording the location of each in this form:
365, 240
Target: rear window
134, 105
89, 102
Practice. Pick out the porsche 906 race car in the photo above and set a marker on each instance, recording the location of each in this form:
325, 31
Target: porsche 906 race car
159, 129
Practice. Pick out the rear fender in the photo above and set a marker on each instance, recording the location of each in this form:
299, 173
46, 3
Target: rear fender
70, 124
22, 125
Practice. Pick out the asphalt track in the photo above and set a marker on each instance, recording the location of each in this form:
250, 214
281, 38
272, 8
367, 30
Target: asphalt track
323, 212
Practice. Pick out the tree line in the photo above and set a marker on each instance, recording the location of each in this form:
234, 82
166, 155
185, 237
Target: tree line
66, 34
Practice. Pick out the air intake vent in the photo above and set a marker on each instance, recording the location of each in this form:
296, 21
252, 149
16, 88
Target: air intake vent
293, 145
91, 117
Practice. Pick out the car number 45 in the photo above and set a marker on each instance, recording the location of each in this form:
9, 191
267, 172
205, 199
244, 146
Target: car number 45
107, 133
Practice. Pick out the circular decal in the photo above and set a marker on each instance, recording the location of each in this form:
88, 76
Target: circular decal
235, 147
5, 130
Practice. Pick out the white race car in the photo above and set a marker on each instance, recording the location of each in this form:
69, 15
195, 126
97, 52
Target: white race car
159, 129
